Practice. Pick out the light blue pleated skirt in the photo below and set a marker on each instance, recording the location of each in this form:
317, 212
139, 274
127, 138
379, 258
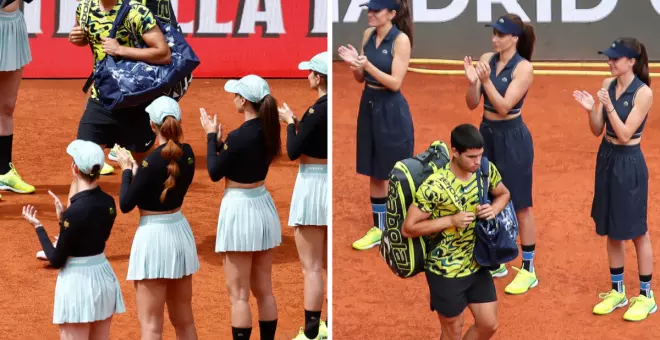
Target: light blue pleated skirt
248, 221
309, 204
14, 43
87, 290
163, 248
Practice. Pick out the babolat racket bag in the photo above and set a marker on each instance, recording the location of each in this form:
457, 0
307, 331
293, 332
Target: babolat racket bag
496, 238
406, 256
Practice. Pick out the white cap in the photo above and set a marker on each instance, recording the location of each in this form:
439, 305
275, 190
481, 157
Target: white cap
162, 107
318, 64
86, 155
251, 87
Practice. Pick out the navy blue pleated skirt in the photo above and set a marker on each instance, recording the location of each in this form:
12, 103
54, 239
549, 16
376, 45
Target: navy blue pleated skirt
509, 145
620, 200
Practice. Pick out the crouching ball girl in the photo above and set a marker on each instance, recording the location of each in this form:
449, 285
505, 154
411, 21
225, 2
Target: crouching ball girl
249, 225
87, 292
164, 255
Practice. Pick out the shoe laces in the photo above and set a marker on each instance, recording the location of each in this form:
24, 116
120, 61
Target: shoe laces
12, 170
604, 296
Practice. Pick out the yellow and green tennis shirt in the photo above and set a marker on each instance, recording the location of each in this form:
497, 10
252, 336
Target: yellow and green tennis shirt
99, 23
453, 256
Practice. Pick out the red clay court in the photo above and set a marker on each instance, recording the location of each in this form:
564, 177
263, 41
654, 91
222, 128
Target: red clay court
46, 120
370, 302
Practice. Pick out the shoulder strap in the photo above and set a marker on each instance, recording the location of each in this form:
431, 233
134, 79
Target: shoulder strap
121, 15
450, 192
482, 180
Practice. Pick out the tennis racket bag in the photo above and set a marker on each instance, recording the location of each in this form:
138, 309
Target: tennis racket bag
496, 238
125, 83
406, 256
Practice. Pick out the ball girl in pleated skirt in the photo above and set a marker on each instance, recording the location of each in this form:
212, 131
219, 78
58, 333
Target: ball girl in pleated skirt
248, 225
308, 214
163, 255
87, 292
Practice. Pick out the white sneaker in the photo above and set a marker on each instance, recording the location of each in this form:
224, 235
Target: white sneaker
41, 255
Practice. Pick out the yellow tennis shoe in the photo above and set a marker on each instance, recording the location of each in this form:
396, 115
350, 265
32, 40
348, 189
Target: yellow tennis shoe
322, 335
523, 281
323, 330
640, 308
499, 272
611, 301
12, 181
107, 169
369, 240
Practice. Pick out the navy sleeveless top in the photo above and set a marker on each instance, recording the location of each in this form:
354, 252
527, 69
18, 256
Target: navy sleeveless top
380, 56
502, 81
623, 105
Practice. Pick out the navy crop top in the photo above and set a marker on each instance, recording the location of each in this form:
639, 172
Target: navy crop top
502, 81
623, 106
241, 158
84, 228
312, 137
381, 57
145, 188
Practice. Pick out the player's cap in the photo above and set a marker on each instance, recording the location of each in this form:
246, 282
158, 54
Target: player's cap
251, 87
163, 107
318, 64
377, 5
618, 50
86, 155
505, 25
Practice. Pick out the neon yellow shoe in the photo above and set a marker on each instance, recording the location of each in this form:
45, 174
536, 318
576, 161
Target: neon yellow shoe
301, 335
107, 169
640, 308
12, 181
323, 330
523, 281
611, 301
369, 240
499, 272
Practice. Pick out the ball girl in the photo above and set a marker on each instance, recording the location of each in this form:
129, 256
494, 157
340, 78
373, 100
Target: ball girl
87, 292
163, 255
620, 200
249, 226
308, 214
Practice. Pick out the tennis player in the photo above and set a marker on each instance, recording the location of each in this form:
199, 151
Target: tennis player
620, 200
455, 279
163, 255
87, 293
249, 226
308, 214
14, 55
385, 132
504, 77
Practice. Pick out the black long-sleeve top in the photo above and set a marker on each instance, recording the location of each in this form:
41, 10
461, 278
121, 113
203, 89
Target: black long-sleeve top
312, 136
242, 158
84, 227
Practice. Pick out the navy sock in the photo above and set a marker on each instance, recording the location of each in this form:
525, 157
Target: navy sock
240, 333
378, 209
645, 285
617, 279
5, 153
528, 257
312, 323
267, 329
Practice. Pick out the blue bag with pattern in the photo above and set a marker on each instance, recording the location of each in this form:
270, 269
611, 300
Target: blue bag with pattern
496, 238
125, 83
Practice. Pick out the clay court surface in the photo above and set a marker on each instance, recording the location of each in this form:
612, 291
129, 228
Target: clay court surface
370, 302
46, 120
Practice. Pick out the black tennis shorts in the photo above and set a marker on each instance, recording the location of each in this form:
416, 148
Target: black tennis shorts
129, 127
621, 191
385, 133
508, 144
450, 296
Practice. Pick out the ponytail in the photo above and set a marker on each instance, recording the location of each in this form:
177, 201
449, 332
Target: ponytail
641, 67
171, 130
93, 176
271, 126
526, 40
403, 20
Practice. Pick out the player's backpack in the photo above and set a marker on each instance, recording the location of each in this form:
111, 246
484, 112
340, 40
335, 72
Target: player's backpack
406, 256
124, 83
496, 238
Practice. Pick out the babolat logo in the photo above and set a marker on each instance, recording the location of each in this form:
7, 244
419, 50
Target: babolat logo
394, 242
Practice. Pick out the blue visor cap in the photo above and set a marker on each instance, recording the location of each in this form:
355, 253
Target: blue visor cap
618, 50
505, 25
377, 5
